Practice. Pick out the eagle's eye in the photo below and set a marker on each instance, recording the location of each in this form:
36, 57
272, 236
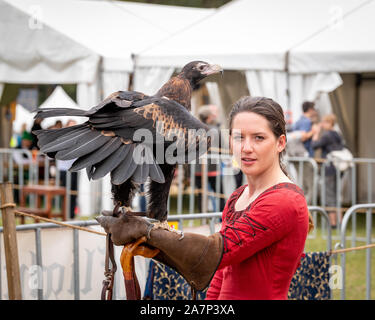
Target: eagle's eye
201, 67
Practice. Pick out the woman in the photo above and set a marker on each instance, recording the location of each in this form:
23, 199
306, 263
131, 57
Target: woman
270, 201
265, 223
328, 141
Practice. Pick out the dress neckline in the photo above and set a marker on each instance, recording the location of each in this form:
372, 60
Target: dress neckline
275, 186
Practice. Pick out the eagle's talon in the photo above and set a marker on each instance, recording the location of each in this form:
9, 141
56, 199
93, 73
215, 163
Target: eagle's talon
182, 235
164, 225
125, 210
117, 210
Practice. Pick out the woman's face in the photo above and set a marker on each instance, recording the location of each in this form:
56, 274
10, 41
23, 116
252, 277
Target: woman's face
254, 146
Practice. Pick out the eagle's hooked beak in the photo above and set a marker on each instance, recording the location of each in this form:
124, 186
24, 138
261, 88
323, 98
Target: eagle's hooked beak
212, 69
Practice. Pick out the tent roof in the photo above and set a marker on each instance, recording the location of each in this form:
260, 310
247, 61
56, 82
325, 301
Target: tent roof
60, 99
247, 34
29, 54
59, 35
22, 116
345, 46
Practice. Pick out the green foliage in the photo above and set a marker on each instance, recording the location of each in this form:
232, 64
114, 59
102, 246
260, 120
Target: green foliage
187, 3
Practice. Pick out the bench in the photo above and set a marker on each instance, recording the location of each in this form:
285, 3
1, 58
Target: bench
42, 190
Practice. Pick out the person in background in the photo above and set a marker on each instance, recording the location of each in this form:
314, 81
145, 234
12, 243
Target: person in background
209, 114
305, 123
36, 126
21, 158
27, 140
302, 129
16, 140
62, 167
58, 125
329, 141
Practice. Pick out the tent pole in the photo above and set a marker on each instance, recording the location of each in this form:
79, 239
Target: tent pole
358, 83
288, 106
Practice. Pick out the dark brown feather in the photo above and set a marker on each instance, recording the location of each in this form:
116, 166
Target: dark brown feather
177, 89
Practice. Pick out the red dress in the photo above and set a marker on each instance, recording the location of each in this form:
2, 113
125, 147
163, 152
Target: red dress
263, 245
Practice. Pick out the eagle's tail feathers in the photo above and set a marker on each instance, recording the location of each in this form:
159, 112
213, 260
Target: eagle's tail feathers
46, 136
96, 156
90, 143
111, 162
68, 140
58, 112
125, 169
141, 173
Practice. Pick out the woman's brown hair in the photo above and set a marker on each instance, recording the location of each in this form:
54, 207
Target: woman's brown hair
274, 114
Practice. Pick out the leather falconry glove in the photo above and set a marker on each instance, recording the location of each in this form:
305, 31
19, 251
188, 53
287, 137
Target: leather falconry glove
195, 257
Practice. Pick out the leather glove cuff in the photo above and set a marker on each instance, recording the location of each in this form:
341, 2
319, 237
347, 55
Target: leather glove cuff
195, 257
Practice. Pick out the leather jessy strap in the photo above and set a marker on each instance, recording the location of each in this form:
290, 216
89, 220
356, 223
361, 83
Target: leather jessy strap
132, 288
109, 273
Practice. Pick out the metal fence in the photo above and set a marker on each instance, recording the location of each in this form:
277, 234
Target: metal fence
351, 214
21, 167
212, 218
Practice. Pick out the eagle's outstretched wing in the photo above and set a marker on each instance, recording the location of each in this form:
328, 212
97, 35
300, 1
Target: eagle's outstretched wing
107, 141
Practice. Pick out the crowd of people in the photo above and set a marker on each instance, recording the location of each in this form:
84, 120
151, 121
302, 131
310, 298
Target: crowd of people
310, 136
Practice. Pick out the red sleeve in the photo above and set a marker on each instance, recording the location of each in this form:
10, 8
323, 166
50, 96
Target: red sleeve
213, 291
269, 219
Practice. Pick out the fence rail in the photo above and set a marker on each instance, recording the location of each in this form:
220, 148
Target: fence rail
349, 214
38, 227
21, 166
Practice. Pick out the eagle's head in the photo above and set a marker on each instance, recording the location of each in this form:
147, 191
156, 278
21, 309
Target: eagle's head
195, 71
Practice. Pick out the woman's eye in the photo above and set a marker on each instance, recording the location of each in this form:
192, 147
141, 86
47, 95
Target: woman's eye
259, 138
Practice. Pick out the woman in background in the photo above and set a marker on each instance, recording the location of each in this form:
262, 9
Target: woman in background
329, 141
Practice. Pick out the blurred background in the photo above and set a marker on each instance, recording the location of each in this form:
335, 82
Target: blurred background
315, 58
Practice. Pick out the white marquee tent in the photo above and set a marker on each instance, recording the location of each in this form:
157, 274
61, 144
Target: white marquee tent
256, 37
306, 48
347, 47
54, 41
88, 42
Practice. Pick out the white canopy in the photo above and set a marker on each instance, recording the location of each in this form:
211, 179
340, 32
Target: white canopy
23, 116
54, 41
247, 34
345, 45
60, 99
34, 53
